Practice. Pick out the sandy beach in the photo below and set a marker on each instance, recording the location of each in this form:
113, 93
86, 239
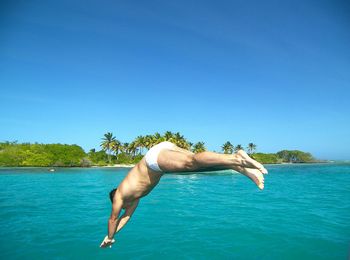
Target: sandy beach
115, 166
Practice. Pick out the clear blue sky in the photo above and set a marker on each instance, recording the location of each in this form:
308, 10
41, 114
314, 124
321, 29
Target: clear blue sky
276, 73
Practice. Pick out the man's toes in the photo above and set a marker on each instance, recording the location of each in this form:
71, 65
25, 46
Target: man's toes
260, 182
258, 166
250, 162
263, 170
261, 186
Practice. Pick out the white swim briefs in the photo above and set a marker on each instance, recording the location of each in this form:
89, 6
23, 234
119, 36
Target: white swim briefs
152, 155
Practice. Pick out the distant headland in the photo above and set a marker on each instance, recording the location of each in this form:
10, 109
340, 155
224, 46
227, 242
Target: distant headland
114, 152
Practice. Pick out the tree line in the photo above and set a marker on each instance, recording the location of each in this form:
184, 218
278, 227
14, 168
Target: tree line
113, 151
27, 154
111, 145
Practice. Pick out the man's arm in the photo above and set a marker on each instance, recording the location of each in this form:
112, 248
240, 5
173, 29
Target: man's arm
112, 222
113, 219
126, 216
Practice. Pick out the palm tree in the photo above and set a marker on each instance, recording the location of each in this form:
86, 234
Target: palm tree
106, 144
189, 146
149, 141
125, 148
116, 146
140, 143
133, 148
168, 136
198, 147
251, 148
227, 147
158, 138
179, 140
238, 147
186, 145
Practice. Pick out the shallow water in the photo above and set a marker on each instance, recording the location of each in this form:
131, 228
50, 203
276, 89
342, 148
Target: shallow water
304, 213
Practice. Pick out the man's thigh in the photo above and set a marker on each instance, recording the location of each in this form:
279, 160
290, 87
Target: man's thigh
173, 160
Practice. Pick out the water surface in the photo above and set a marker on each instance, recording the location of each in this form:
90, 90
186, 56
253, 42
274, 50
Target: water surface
304, 213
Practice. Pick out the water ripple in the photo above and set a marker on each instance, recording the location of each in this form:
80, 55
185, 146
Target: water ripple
304, 212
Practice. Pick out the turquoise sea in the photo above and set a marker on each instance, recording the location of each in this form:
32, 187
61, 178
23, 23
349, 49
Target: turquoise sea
303, 213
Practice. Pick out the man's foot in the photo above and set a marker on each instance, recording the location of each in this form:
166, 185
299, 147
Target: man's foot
248, 162
254, 174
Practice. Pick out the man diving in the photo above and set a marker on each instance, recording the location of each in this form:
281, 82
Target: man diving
166, 157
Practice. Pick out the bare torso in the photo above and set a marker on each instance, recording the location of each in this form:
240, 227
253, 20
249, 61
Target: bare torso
138, 182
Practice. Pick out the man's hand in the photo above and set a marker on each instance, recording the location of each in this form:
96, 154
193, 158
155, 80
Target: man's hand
107, 242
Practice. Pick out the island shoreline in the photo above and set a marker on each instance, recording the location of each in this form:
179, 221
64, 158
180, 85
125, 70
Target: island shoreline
119, 166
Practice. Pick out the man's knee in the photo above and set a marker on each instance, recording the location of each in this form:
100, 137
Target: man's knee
189, 162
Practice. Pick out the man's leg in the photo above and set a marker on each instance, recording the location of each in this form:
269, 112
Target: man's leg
185, 161
182, 160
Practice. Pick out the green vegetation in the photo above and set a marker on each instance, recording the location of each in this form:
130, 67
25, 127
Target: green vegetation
251, 148
285, 156
108, 144
115, 152
227, 148
295, 156
238, 147
266, 157
99, 158
13, 154
198, 147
